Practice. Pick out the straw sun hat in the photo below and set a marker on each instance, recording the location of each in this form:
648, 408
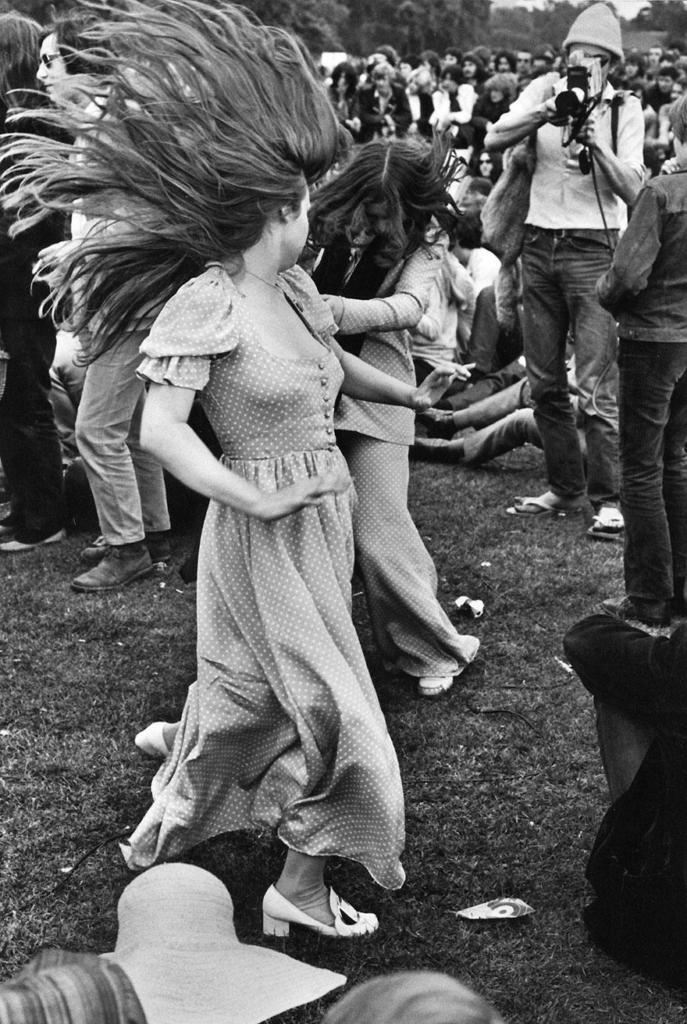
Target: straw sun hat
178, 947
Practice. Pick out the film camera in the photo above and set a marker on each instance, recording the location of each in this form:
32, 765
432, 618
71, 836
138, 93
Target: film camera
575, 103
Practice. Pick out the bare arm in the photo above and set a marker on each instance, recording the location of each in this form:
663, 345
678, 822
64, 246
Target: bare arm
372, 385
166, 433
534, 108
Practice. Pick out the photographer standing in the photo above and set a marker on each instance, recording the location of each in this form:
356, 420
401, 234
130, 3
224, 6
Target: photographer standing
572, 228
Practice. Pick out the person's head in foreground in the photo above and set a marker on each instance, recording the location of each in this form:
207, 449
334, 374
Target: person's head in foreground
412, 997
177, 960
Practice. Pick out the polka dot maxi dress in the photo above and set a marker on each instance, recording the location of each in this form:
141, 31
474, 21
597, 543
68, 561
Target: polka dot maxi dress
282, 726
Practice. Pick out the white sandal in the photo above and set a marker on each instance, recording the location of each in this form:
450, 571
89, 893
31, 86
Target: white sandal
434, 686
278, 914
151, 740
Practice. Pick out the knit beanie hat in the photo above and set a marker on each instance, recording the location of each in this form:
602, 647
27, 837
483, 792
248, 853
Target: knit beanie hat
596, 26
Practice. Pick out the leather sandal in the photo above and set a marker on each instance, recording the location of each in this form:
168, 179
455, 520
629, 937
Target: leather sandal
278, 914
547, 504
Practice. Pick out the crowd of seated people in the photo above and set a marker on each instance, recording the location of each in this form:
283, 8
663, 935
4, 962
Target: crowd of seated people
457, 95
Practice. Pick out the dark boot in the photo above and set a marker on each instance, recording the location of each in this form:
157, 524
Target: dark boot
122, 564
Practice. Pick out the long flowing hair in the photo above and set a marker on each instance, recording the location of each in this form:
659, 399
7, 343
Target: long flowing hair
203, 124
19, 54
393, 192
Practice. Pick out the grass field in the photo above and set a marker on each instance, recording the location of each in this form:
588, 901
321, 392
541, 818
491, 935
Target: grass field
504, 790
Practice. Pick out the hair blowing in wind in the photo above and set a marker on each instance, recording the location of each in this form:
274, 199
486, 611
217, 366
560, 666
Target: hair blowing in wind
197, 124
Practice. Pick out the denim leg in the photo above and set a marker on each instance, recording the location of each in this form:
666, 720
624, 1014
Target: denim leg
545, 327
514, 430
29, 444
490, 410
484, 336
582, 262
111, 396
675, 477
653, 432
66, 384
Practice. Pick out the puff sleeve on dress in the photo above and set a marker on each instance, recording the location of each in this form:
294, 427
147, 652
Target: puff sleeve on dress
200, 322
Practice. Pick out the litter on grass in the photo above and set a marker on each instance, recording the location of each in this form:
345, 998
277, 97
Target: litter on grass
564, 664
496, 910
468, 606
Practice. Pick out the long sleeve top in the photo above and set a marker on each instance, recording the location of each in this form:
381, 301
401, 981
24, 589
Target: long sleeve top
646, 286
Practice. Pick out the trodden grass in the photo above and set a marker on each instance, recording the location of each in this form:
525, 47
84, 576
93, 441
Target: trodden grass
504, 790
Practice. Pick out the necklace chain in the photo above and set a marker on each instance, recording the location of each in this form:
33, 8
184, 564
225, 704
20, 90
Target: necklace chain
270, 284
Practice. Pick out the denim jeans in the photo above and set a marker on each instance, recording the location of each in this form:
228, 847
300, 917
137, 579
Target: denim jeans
66, 384
653, 433
29, 445
126, 481
559, 279
491, 346
638, 684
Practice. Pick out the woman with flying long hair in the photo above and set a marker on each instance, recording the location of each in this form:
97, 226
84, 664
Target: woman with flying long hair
214, 126
383, 228
29, 444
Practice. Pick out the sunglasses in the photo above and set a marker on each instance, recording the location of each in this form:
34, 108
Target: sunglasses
49, 58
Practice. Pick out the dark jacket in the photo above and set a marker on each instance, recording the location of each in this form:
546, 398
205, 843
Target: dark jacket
18, 299
373, 123
646, 286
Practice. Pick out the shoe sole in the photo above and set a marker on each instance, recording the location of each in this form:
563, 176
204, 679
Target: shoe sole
608, 535
86, 589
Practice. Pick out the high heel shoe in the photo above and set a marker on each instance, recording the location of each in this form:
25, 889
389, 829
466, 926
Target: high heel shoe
278, 913
151, 740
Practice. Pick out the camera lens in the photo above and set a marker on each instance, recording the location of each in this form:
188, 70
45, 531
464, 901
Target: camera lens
569, 103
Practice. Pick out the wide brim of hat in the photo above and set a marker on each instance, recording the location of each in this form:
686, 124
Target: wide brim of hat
240, 984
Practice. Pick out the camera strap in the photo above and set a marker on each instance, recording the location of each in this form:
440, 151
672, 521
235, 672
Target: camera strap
616, 103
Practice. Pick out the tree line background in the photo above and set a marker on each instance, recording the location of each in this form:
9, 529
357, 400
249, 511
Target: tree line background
358, 26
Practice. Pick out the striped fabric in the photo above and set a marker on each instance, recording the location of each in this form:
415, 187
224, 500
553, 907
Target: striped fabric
58, 987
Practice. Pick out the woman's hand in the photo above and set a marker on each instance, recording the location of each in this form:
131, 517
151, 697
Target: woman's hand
670, 166
336, 306
434, 386
310, 491
428, 327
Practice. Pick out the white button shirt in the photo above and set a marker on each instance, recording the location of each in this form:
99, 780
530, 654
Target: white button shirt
560, 195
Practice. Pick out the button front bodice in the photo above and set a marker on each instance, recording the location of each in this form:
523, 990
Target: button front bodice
262, 406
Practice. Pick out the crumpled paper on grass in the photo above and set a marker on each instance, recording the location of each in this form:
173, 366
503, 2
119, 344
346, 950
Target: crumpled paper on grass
499, 909
469, 606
